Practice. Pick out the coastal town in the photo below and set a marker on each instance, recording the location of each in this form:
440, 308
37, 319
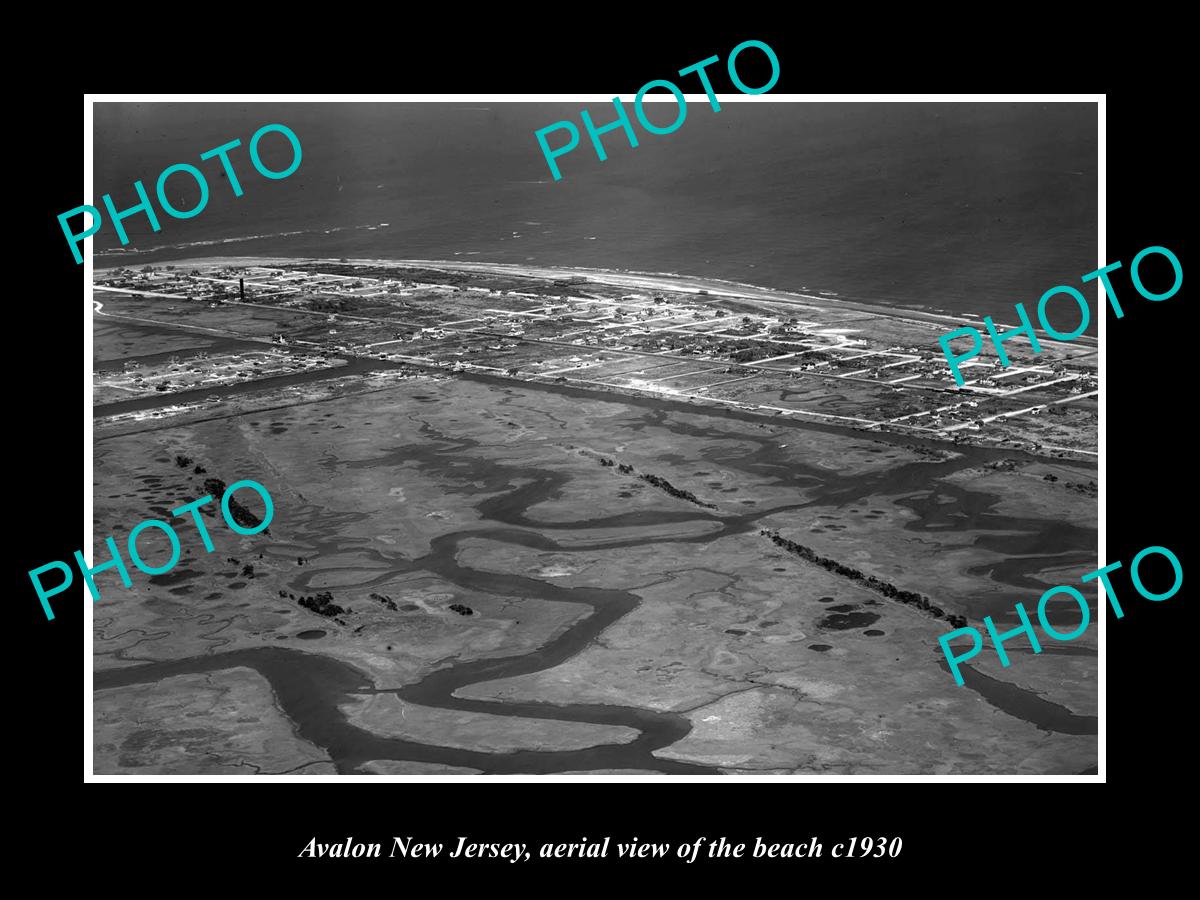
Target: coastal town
815, 358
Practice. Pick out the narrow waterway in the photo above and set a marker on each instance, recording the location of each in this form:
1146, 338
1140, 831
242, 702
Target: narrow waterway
311, 688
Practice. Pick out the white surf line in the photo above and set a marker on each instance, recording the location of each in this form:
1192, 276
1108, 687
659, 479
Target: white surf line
845, 343
657, 281
1064, 345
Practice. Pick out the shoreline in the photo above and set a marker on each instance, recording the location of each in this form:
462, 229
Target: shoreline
631, 279
636, 281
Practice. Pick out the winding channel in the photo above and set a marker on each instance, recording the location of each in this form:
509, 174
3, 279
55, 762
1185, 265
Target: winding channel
311, 688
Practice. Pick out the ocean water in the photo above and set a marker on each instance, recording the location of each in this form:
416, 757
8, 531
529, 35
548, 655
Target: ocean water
966, 208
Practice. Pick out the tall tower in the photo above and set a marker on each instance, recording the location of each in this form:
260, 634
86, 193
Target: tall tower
242, 288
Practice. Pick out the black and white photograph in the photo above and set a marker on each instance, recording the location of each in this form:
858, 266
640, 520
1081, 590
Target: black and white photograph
453, 437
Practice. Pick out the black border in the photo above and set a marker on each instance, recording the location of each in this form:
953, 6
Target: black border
996, 825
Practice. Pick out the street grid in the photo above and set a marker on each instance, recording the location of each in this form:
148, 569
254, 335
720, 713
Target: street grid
676, 343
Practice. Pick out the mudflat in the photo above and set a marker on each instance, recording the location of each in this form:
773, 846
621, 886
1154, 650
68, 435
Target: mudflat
517, 605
